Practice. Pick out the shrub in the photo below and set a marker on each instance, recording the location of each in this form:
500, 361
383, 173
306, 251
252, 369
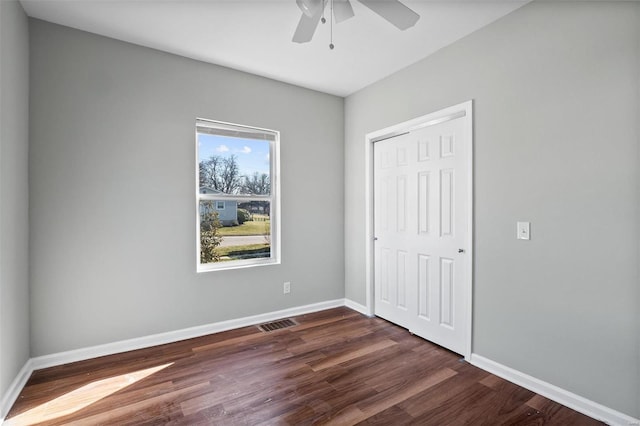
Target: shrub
209, 238
243, 216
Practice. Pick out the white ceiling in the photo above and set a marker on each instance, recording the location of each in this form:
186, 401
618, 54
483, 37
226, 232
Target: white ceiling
255, 36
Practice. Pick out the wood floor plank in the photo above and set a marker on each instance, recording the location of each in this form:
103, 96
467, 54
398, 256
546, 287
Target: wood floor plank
334, 367
350, 355
344, 401
402, 392
374, 369
325, 321
459, 408
493, 382
438, 396
409, 364
391, 416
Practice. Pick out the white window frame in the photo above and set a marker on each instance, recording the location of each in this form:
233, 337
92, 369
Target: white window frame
273, 198
218, 205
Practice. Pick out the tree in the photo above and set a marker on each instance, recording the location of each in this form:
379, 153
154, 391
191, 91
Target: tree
257, 184
230, 181
221, 174
209, 238
209, 170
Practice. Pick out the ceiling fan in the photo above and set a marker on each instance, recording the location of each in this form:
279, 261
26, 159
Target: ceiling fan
313, 11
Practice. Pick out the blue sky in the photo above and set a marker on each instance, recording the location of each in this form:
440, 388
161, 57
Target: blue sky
252, 155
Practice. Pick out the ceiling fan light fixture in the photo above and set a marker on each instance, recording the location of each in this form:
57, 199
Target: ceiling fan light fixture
393, 11
309, 7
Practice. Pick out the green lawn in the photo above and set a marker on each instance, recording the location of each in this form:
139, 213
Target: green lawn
247, 228
240, 252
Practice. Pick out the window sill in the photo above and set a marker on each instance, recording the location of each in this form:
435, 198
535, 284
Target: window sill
236, 264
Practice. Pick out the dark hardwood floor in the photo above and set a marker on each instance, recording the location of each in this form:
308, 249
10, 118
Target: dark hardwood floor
335, 367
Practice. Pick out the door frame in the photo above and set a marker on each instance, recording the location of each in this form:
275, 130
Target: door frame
464, 109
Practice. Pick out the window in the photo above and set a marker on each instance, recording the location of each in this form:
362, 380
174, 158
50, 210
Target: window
237, 204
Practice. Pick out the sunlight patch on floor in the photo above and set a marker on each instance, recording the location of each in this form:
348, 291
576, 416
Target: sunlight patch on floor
80, 398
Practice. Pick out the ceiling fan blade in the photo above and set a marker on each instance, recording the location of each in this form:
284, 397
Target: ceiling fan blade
393, 11
310, 7
342, 10
306, 28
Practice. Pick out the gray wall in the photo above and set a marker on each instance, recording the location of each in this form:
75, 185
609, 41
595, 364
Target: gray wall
14, 199
556, 96
112, 139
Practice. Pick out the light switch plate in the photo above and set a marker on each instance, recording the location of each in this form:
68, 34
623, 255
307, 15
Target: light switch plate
524, 231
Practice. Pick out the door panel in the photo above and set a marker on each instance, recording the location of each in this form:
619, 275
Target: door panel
392, 265
420, 223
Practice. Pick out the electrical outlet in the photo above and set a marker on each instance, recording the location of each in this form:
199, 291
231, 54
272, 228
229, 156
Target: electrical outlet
287, 287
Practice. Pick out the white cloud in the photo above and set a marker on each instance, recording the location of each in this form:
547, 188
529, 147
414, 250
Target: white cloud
222, 148
245, 150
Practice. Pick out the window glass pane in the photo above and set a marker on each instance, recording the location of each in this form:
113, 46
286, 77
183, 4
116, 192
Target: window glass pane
241, 231
233, 165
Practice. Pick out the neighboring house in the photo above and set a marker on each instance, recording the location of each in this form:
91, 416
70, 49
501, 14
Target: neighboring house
259, 207
227, 209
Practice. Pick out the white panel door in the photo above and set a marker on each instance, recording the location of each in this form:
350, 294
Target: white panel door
421, 222
391, 212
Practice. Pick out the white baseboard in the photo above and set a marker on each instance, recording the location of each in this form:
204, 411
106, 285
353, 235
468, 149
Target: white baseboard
559, 395
15, 388
355, 306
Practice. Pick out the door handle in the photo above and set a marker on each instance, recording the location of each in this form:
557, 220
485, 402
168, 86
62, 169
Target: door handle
460, 250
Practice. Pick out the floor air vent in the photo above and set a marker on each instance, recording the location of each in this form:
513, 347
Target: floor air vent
277, 325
